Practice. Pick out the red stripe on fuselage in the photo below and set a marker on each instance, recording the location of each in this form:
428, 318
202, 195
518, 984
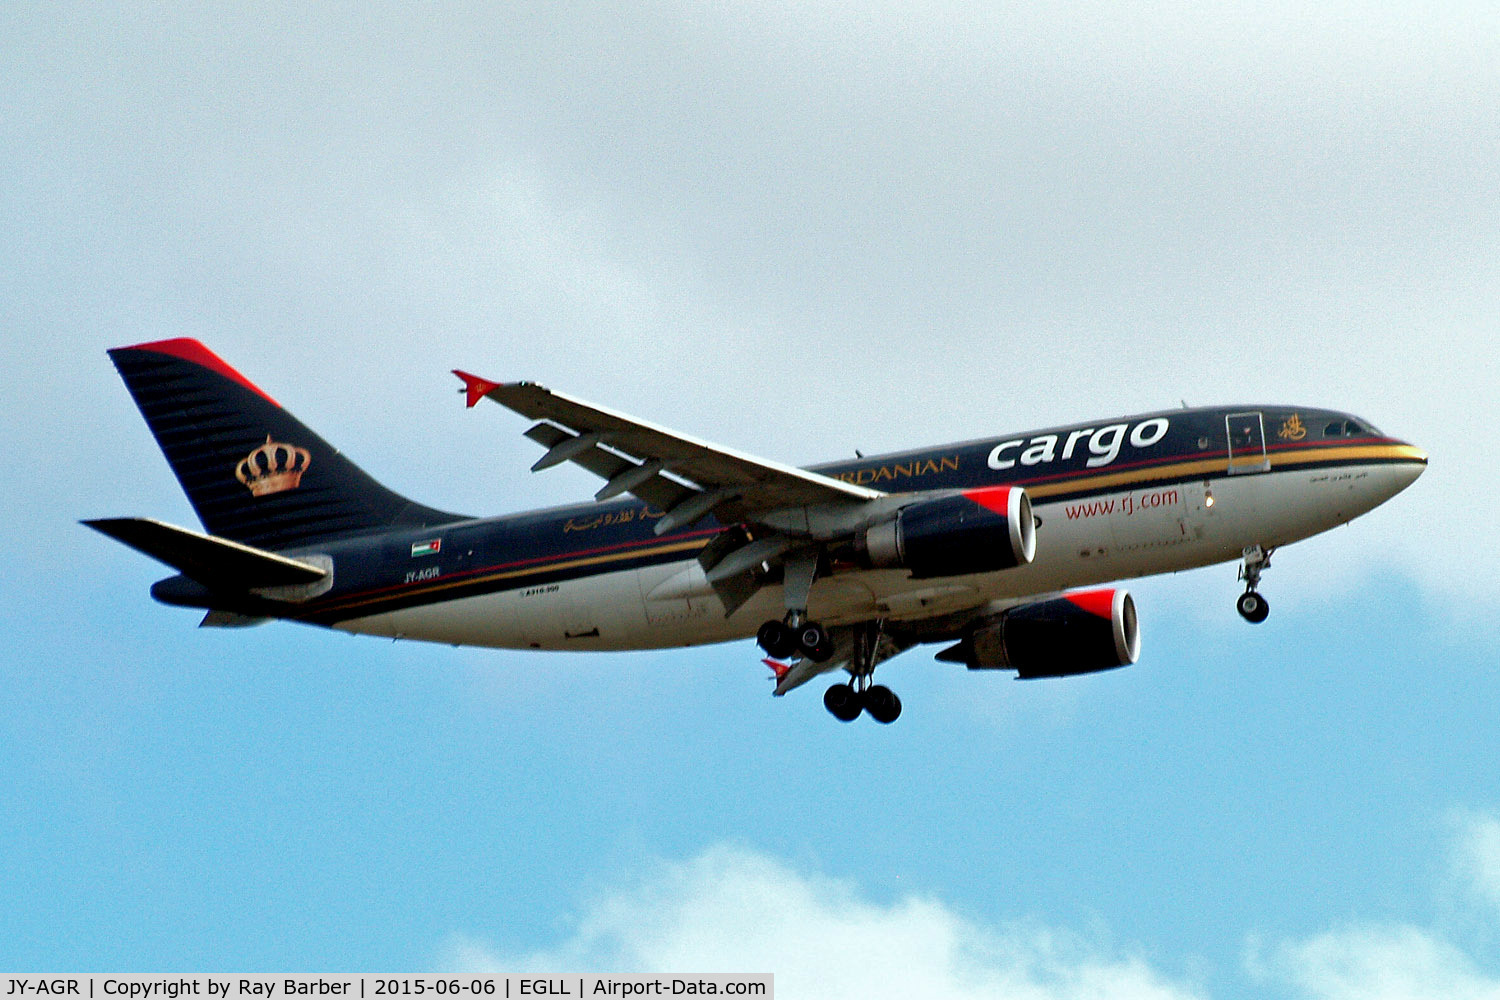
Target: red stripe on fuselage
335, 603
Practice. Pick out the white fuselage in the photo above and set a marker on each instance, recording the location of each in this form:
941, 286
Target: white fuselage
1079, 543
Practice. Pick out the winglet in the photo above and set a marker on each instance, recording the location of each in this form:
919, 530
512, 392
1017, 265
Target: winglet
778, 668
475, 388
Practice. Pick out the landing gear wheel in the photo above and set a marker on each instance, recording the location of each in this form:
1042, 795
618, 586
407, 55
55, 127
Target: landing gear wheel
1252, 607
882, 704
814, 642
843, 702
777, 640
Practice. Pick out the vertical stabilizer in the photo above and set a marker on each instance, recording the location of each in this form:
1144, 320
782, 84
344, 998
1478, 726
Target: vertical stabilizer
253, 472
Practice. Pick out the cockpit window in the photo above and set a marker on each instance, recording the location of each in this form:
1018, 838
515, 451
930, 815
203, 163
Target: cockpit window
1349, 428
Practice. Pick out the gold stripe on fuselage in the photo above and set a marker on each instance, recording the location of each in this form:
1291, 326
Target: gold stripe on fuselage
1206, 468
1211, 467
397, 593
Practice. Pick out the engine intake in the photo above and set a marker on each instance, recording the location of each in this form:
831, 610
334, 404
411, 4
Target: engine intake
1074, 634
977, 531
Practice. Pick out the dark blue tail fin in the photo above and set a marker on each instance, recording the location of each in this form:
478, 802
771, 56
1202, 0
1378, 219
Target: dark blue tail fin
251, 470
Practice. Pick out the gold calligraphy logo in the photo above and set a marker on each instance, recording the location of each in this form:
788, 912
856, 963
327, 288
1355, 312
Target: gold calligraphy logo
1292, 428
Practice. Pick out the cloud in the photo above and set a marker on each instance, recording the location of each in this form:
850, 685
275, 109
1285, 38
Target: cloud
736, 909
1400, 961
1378, 963
733, 909
1476, 855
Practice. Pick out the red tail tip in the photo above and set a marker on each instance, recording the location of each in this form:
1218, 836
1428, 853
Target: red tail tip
475, 388
194, 352
778, 668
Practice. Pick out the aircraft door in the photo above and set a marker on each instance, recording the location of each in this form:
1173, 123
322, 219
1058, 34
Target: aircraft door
1247, 442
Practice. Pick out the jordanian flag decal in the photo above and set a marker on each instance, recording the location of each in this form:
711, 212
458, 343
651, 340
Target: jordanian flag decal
426, 548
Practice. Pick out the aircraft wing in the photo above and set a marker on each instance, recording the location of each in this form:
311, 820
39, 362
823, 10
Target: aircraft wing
683, 476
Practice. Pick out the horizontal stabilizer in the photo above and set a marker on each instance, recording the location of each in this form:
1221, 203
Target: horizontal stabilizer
214, 562
230, 619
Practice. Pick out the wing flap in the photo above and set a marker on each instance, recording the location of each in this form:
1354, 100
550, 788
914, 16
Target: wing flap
656, 489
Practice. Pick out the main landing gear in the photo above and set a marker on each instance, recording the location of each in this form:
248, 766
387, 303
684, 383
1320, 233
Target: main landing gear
784, 638
846, 701
1251, 606
794, 633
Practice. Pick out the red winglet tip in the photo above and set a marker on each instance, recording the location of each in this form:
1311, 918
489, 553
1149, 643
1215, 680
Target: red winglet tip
475, 388
778, 668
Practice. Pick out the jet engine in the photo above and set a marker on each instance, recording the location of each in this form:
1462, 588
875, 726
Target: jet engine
977, 531
1074, 634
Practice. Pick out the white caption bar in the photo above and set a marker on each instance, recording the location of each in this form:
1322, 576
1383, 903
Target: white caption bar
224, 986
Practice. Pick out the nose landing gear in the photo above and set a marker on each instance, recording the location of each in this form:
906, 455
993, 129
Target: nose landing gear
1251, 606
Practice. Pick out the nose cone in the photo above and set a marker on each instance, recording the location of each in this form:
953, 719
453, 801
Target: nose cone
1411, 463
1399, 465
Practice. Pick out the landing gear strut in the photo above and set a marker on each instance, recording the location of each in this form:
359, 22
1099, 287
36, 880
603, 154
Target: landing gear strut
1251, 606
845, 701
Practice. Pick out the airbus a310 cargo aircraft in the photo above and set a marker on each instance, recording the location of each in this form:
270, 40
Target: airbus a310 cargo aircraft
981, 544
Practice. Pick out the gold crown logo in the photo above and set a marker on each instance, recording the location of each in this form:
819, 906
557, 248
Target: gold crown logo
273, 467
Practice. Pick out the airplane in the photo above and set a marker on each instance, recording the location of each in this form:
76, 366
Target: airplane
1002, 547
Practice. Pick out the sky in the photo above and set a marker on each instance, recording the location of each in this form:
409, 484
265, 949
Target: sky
797, 230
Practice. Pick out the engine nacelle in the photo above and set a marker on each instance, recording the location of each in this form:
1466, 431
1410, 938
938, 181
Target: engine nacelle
977, 531
1075, 634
